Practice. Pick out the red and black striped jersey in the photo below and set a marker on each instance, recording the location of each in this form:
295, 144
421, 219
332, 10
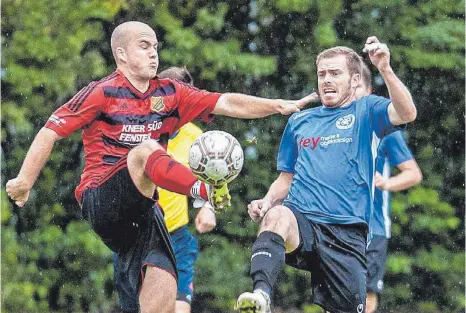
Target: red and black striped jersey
115, 117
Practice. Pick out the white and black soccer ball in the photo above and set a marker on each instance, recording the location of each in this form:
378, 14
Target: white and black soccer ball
216, 157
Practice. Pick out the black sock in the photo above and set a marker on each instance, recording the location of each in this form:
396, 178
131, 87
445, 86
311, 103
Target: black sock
268, 259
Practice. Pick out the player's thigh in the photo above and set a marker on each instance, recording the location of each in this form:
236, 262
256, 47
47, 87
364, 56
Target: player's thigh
151, 249
371, 302
158, 267
339, 275
137, 160
303, 256
182, 307
114, 208
158, 291
281, 220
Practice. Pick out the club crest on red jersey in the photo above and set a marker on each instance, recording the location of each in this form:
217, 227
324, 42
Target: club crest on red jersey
156, 104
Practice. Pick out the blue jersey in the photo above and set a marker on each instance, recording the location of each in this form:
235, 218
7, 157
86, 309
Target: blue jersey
392, 151
331, 153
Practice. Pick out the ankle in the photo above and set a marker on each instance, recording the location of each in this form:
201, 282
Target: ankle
265, 293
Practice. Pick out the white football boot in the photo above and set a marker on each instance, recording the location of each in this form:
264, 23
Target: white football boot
253, 302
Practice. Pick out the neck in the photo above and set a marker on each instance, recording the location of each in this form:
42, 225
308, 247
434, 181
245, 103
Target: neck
349, 100
140, 84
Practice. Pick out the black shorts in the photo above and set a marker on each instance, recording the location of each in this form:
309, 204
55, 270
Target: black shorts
376, 258
336, 256
125, 221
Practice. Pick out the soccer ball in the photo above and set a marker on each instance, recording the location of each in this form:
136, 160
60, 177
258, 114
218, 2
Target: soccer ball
216, 157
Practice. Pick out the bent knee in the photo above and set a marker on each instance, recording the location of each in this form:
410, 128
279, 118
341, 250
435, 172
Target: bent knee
143, 150
279, 219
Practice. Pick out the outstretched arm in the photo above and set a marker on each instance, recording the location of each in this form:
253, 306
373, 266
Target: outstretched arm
38, 154
410, 175
402, 109
278, 191
244, 106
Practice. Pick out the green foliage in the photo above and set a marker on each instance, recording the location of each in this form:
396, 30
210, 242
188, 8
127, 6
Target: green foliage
429, 254
51, 262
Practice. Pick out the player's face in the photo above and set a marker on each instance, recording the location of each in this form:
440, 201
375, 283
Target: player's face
336, 85
142, 54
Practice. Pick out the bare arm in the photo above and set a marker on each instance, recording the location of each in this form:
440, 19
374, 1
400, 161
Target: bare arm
410, 175
38, 154
244, 106
278, 191
402, 109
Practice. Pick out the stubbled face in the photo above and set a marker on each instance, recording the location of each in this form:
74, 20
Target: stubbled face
336, 85
142, 57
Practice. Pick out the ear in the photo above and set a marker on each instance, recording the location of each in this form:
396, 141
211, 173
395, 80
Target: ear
355, 80
121, 54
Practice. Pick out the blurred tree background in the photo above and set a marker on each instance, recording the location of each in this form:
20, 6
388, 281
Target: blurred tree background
52, 262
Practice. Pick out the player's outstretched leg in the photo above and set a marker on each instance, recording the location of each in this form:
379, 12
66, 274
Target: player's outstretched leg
278, 234
149, 166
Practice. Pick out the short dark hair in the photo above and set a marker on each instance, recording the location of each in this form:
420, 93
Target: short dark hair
353, 60
366, 75
179, 73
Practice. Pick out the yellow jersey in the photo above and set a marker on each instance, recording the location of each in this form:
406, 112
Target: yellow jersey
175, 206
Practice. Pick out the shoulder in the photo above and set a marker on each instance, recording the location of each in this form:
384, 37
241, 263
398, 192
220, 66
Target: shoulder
172, 86
163, 81
114, 79
106, 84
372, 100
175, 83
94, 92
301, 118
302, 114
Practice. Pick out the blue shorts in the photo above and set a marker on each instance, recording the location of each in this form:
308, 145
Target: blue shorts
186, 251
336, 256
376, 258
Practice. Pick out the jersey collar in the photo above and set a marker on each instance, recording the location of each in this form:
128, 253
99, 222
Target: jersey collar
135, 91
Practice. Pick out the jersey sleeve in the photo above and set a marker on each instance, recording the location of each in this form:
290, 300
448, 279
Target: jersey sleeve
288, 151
82, 109
378, 113
396, 149
194, 103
